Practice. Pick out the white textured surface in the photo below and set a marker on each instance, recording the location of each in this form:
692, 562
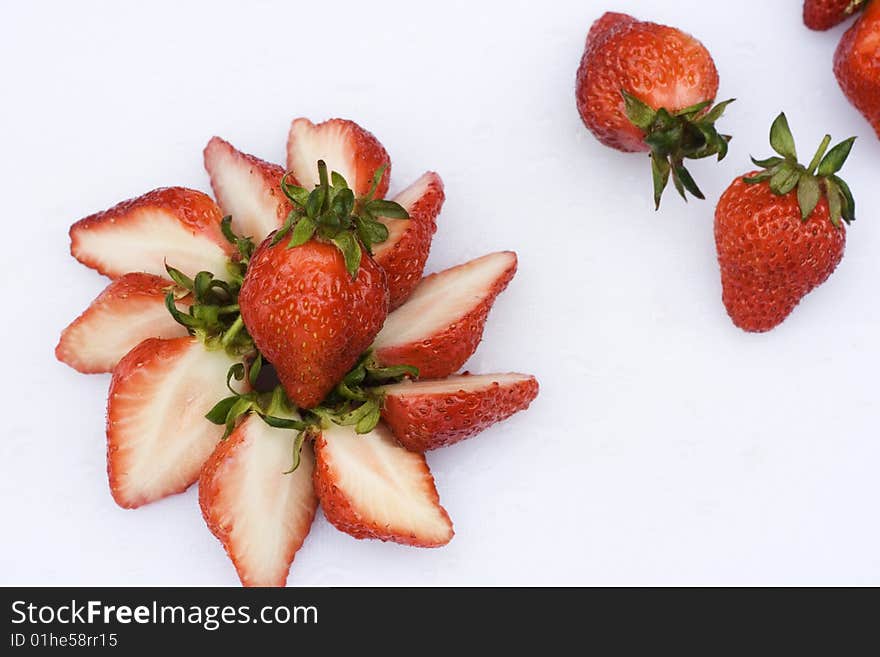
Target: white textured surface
665, 447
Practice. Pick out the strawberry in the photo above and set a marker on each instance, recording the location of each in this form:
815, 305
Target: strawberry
157, 435
426, 415
247, 188
371, 487
346, 148
857, 64
314, 303
441, 324
404, 253
129, 310
259, 513
825, 14
778, 232
173, 223
646, 87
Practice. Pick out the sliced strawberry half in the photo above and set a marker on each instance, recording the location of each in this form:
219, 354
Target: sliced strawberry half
247, 188
347, 149
425, 415
259, 514
128, 311
404, 253
175, 224
441, 324
157, 435
371, 487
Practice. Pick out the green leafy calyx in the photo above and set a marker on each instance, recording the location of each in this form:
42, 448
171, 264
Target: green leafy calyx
330, 212
688, 134
784, 174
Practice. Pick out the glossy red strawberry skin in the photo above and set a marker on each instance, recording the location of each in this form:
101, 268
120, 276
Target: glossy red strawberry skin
824, 14
404, 258
769, 258
308, 317
340, 512
133, 291
660, 65
857, 64
445, 352
194, 210
422, 422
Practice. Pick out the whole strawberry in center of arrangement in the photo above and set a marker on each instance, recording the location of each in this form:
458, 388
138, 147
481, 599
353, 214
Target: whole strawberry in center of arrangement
313, 299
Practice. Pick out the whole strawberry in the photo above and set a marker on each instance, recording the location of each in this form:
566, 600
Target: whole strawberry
857, 64
313, 299
778, 231
648, 87
824, 14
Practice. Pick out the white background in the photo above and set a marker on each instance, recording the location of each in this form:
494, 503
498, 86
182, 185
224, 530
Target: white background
666, 446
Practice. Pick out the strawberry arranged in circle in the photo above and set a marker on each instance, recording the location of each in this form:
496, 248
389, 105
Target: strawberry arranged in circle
780, 232
646, 87
255, 352
825, 14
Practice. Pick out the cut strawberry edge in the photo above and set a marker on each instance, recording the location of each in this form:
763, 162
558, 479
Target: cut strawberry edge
372, 487
157, 436
173, 224
404, 253
247, 188
441, 324
260, 515
425, 415
347, 149
128, 311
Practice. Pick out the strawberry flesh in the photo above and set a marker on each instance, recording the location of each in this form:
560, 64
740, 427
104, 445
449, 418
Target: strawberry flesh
441, 324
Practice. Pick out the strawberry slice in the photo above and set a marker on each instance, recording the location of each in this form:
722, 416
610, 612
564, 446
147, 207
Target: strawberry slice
371, 487
247, 188
128, 311
425, 415
157, 435
347, 149
404, 253
173, 223
441, 324
259, 514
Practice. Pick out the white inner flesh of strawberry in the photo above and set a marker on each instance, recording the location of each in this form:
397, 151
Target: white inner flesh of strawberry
267, 509
453, 384
147, 239
329, 142
441, 300
111, 331
242, 192
163, 436
397, 227
386, 484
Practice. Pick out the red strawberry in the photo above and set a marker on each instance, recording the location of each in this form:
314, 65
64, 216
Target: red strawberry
825, 14
247, 188
647, 87
157, 435
175, 224
308, 316
404, 253
441, 324
128, 311
371, 487
778, 232
260, 514
426, 415
346, 148
857, 65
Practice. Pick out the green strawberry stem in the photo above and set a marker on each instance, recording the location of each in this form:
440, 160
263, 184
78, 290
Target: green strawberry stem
783, 173
673, 137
